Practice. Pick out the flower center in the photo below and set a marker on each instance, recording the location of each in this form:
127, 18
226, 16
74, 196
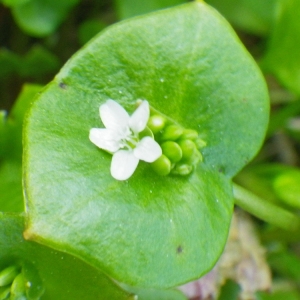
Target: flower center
128, 139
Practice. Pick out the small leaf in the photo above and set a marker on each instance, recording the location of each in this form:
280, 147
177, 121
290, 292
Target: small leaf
287, 187
11, 194
38, 62
282, 57
9, 63
252, 16
130, 8
40, 18
89, 29
276, 183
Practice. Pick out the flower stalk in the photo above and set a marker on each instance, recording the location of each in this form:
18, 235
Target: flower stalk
265, 210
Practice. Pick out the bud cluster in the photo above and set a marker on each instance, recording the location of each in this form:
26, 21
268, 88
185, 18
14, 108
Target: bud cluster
180, 146
13, 284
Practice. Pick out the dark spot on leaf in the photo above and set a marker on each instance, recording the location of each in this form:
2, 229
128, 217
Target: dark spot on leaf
179, 249
221, 170
62, 85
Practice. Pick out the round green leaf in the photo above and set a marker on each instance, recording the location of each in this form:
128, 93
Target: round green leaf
150, 230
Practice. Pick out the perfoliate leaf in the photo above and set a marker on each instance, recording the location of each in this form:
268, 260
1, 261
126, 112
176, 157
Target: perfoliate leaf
150, 230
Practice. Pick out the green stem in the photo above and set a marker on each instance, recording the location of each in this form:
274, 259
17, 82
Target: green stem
264, 210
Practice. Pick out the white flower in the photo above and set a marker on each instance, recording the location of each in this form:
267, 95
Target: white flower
121, 138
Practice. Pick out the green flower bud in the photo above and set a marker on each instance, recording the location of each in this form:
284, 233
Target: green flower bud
156, 123
7, 275
146, 132
4, 293
171, 133
195, 158
162, 165
200, 143
189, 134
188, 147
172, 151
182, 169
17, 289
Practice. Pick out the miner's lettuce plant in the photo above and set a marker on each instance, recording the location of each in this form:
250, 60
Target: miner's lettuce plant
189, 65
130, 197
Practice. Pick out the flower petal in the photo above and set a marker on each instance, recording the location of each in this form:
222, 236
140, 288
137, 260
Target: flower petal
139, 118
147, 150
105, 139
113, 115
123, 164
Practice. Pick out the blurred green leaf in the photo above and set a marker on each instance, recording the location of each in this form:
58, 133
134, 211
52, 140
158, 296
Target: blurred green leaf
11, 194
286, 264
2, 132
14, 121
282, 57
12, 3
130, 8
9, 62
40, 18
89, 29
259, 179
230, 291
279, 295
276, 183
280, 118
38, 62
287, 187
59, 275
252, 16
149, 230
